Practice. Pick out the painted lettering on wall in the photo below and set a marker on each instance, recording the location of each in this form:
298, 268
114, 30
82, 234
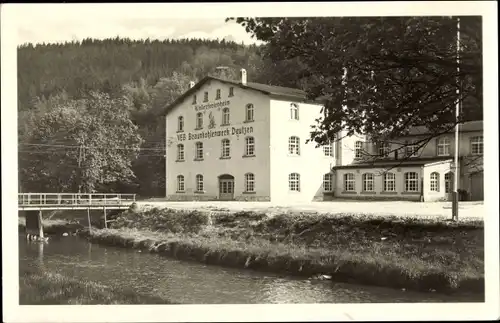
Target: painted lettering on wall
209, 106
215, 133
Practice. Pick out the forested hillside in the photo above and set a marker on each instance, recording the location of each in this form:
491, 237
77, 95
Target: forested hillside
90, 112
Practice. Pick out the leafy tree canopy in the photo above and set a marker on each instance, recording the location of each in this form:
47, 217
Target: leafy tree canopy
376, 75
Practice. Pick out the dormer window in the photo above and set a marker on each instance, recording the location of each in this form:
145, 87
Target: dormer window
231, 91
217, 94
205, 97
194, 99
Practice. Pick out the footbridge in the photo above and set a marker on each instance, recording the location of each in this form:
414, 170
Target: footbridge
68, 201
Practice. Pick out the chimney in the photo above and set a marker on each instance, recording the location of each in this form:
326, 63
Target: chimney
243, 74
191, 84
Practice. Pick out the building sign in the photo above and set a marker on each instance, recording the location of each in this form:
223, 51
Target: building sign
215, 133
203, 107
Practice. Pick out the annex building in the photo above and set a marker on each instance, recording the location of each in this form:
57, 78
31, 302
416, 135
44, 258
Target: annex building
246, 141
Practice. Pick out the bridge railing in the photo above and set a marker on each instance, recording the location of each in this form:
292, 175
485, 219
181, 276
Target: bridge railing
69, 199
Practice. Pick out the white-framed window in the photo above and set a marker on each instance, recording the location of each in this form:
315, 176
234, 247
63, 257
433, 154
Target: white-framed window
205, 97
249, 182
476, 145
294, 145
443, 146
294, 111
349, 182
225, 116
199, 183
198, 153
411, 182
294, 182
368, 182
328, 149
226, 148
231, 91
358, 151
180, 183
434, 182
199, 120
217, 94
194, 99
383, 149
249, 146
411, 149
328, 182
448, 182
180, 152
389, 182
249, 112
180, 123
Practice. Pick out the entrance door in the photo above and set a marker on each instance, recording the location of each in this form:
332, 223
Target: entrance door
449, 182
226, 187
477, 187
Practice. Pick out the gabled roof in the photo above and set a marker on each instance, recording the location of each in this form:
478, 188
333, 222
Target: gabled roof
468, 126
271, 90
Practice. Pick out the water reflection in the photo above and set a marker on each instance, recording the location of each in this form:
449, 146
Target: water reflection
194, 283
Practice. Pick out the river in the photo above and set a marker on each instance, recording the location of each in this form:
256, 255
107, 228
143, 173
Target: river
194, 283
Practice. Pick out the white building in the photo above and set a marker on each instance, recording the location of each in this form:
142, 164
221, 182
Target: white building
247, 141
243, 141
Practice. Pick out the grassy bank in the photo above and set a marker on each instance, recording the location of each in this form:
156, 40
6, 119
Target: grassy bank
53, 226
37, 287
394, 252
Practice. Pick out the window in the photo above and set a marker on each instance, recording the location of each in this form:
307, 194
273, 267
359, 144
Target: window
389, 182
294, 182
249, 113
411, 182
349, 182
231, 91
294, 145
448, 184
199, 183
249, 146
180, 124
476, 145
434, 182
198, 154
411, 149
328, 150
205, 97
180, 183
328, 182
180, 152
199, 120
294, 111
194, 99
217, 94
226, 148
443, 146
225, 116
383, 149
368, 182
358, 153
249, 182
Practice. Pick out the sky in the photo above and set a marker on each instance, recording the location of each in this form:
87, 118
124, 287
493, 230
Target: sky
68, 22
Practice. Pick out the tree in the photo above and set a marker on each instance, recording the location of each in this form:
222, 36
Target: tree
380, 76
80, 145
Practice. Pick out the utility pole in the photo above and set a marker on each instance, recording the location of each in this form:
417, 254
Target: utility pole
454, 207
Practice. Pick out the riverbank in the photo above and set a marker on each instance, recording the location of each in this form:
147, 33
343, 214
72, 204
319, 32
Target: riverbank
53, 226
38, 287
406, 253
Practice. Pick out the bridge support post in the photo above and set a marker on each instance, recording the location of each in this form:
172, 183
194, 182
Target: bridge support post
105, 219
88, 216
34, 224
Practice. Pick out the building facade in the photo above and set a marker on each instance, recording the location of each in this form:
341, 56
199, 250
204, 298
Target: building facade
246, 141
